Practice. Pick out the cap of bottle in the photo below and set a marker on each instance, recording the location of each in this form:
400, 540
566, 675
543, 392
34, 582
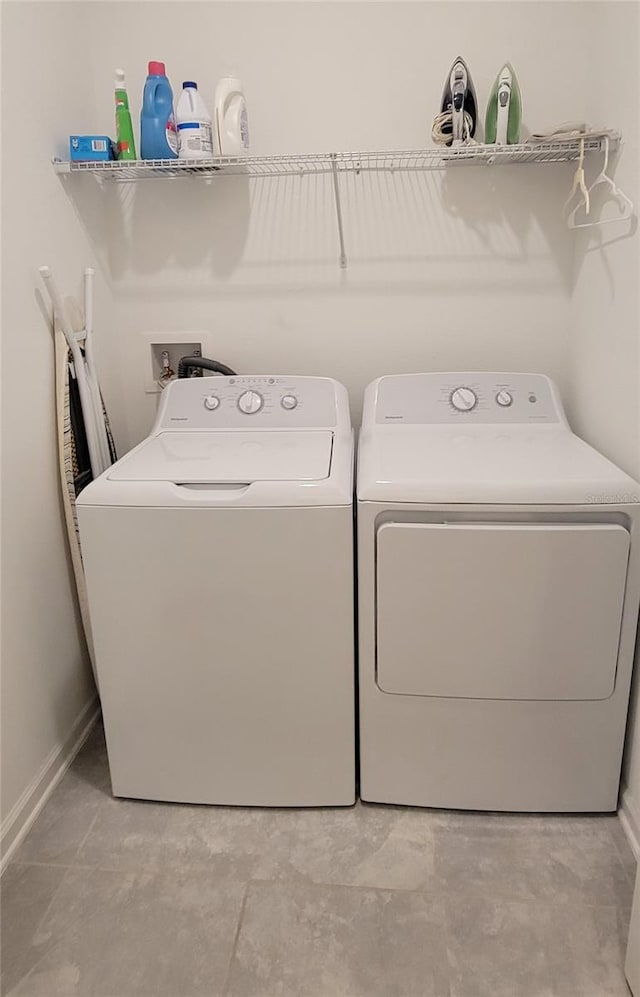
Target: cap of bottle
156, 69
189, 83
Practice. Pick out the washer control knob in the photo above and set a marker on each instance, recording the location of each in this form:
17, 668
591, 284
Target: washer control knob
464, 399
289, 402
212, 402
250, 402
504, 398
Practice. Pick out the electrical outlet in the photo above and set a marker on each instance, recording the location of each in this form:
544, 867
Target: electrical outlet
165, 358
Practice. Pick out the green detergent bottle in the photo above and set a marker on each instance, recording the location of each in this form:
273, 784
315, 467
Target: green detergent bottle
504, 109
124, 127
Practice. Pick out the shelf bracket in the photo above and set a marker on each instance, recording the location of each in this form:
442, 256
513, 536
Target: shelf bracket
336, 194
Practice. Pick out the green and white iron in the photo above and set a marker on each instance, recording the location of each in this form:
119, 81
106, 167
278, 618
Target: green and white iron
504, 109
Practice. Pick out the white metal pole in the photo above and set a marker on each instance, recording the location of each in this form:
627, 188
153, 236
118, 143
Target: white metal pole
88, 275
92, 377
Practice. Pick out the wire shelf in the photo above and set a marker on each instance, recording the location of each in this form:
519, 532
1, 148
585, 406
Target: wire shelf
344, 163
411, 160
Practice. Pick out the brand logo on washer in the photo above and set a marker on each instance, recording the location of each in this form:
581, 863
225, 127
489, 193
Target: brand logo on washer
624, 498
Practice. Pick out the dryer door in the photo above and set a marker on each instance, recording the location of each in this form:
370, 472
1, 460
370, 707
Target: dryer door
500, 611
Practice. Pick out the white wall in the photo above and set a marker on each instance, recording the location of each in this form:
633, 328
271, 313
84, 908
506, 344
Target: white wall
604, 357
46, 681
472, 269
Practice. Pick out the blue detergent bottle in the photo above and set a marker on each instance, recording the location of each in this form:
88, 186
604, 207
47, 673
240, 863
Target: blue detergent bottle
158, 132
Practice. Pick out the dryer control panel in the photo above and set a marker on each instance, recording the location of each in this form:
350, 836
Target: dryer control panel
252, 402
467, 397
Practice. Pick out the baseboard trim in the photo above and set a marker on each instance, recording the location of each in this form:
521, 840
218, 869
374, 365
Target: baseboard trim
630, 820
23, 814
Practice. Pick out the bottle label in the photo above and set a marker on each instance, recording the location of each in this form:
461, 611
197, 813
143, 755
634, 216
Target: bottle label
171, 133
244, 128
196, 136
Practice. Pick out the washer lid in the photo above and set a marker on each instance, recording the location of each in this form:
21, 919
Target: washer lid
540, 465
210, 457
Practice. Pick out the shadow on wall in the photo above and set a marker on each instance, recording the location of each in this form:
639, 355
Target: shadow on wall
517, 200
459, 231
146, 227
187, 226
597, 238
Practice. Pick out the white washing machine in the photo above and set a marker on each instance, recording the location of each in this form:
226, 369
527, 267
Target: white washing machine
499, 581
219, 564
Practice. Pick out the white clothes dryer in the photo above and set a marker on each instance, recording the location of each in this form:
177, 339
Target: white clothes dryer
499, 582
219, 564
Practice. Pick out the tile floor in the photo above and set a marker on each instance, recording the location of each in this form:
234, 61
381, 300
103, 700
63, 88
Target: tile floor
110, 898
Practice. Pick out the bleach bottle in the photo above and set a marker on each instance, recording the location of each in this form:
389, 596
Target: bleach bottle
194, 124
158, 133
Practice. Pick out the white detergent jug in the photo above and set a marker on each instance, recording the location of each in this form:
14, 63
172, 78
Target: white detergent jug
230, 118
194, 124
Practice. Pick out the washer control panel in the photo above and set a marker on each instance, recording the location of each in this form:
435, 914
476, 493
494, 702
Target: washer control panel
248, 403
467, 398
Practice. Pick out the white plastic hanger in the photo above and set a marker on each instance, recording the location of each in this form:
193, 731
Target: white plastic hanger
625, 204
578, 184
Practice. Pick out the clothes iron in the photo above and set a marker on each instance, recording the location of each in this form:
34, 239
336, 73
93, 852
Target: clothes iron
504, 109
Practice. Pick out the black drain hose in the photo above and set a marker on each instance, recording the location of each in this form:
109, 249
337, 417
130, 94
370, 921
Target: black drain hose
186, 364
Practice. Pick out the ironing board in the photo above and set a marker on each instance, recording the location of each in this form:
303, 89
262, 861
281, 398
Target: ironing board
74, 468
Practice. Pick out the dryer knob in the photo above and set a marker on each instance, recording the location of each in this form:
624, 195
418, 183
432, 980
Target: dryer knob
211, 402
504, 398
464, 399
250, 402
289, 402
